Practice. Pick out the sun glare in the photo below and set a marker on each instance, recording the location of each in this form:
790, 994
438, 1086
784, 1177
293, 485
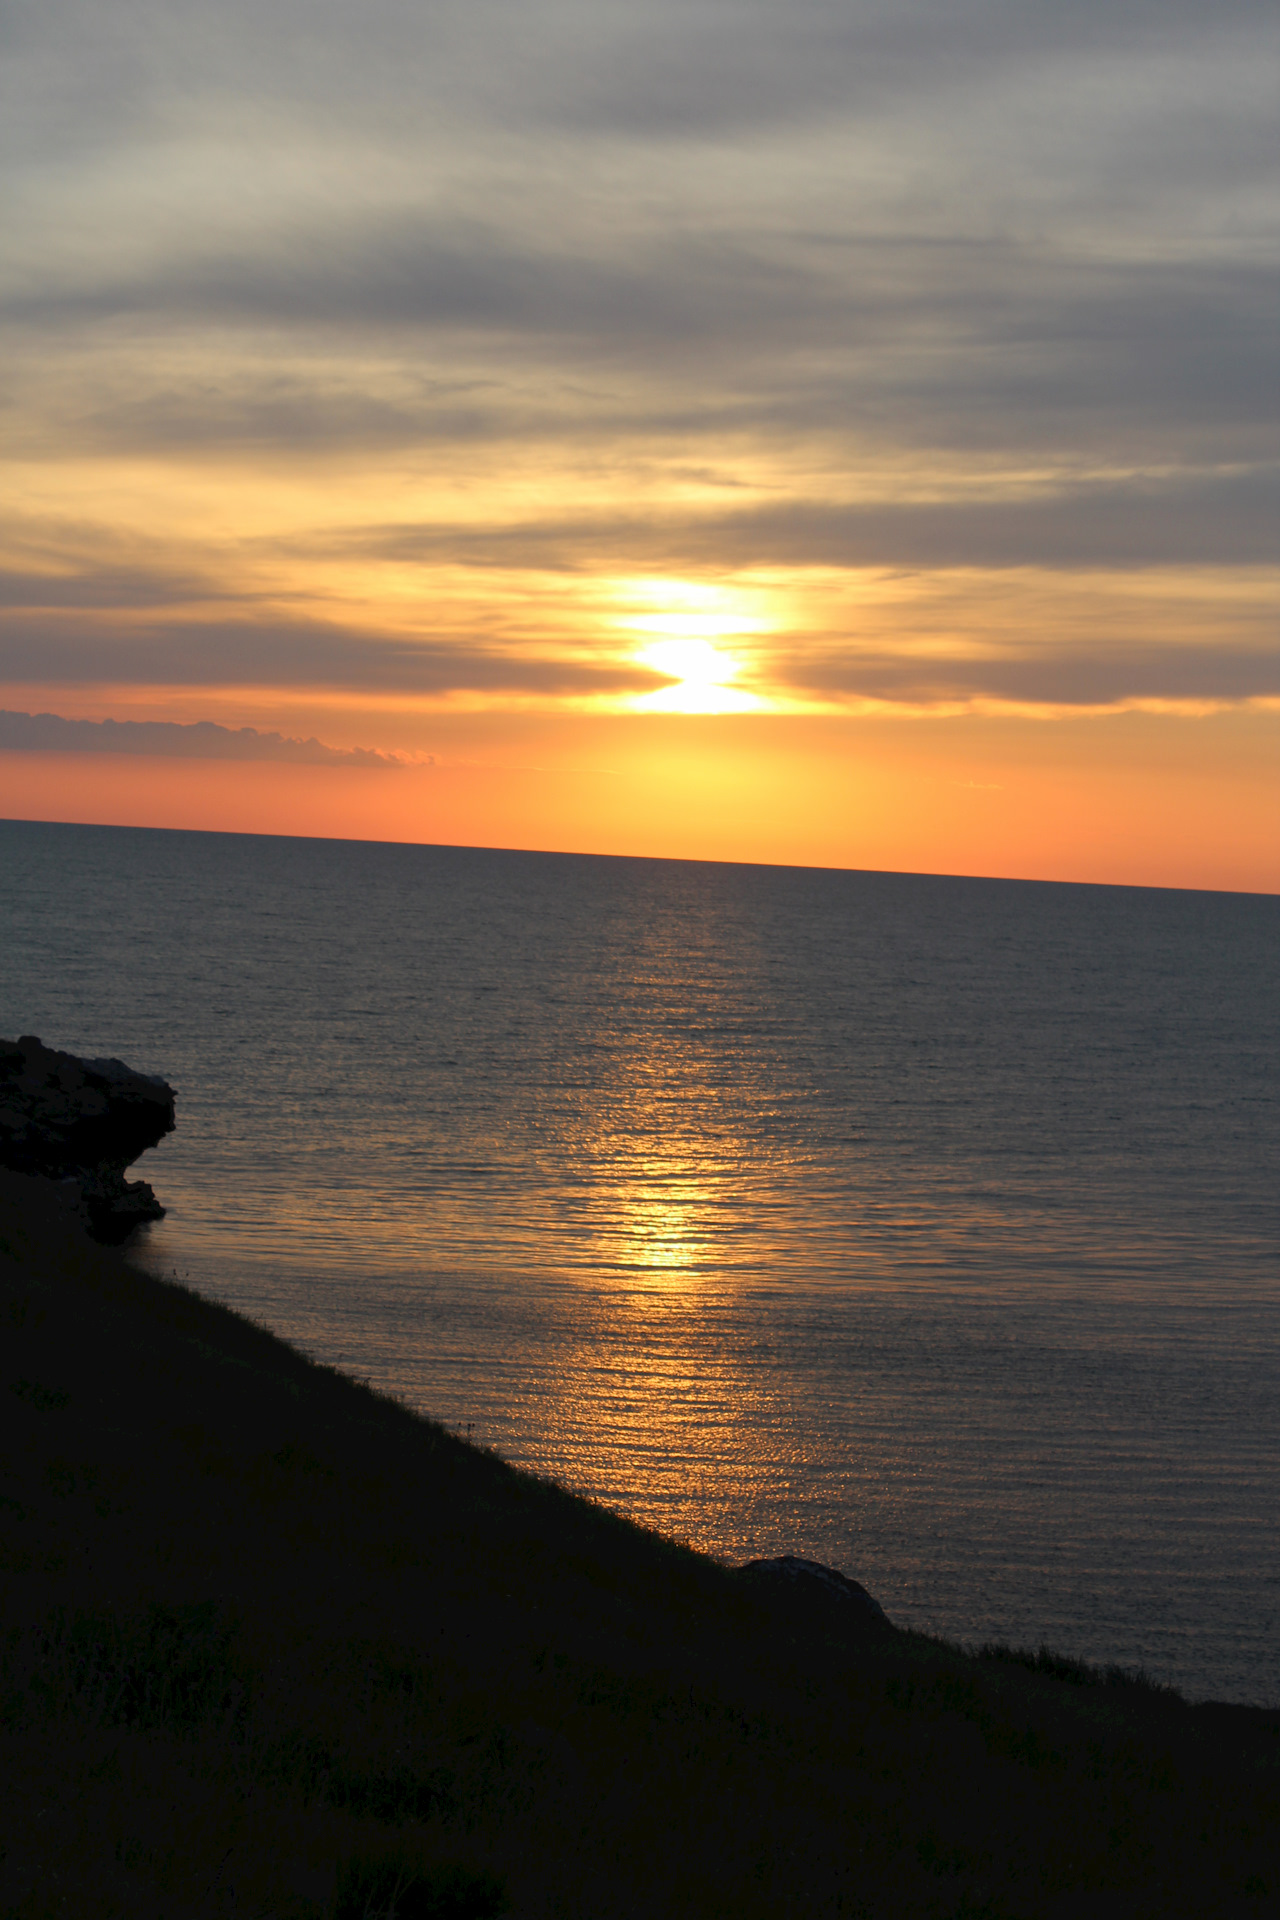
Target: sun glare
701, 672
695, 663
685, 636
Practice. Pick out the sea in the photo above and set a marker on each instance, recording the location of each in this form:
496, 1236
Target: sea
926, 1227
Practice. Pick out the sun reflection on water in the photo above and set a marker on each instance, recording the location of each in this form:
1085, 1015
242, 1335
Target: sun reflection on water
664, 1221
726, 1195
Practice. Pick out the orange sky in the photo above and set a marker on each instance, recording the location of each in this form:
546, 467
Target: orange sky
1120, 800
837, 440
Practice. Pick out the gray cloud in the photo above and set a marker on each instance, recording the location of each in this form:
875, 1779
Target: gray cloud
669, 65
1233, 520
1099, 676
830, 238
103, 586
728, 67
960, 343
279, 412
1228, 519
1109, 667
410, 271
47, 650
591, 192
202, 740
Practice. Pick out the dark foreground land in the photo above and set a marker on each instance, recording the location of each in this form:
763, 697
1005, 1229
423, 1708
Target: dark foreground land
271, 1645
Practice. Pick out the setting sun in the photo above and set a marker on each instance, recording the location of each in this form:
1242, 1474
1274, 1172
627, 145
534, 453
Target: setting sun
701, 673
483, 453
687, 633
695, 662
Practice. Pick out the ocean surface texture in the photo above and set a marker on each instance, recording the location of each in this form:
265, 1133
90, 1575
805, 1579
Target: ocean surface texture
925, 1226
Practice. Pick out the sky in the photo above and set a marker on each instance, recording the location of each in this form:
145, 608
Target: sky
828, 434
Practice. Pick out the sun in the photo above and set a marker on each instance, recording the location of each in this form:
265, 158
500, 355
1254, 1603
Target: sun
692, 662
687, 643
702, 673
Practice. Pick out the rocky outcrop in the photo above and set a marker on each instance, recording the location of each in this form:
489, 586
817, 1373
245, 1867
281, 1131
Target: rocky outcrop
81, 1123
820, 1589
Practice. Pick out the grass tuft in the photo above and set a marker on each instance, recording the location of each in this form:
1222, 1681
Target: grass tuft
1074, 1673
393, 1889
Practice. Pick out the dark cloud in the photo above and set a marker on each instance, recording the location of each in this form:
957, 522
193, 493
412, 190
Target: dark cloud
731, 68
285, 413
1230, 519
832, 238
674, 66
1109, 668
1233, 520
408, 271
203, 740
961, 343
265, 653
103, 586
1101, 675
1041, 239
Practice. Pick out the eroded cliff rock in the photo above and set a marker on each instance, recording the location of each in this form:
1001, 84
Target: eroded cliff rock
81, 1123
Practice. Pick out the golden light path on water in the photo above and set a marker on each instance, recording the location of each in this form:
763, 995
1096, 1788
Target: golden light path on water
660, 1223
924, 1227
657, 1413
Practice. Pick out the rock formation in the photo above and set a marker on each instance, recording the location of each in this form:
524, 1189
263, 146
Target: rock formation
819, 1588
81, 1123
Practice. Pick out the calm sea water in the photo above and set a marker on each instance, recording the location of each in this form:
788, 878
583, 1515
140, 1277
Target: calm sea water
929, 1227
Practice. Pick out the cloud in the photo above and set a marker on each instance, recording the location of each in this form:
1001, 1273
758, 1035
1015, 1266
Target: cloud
676, 342
202, 740
1115, 674
673, 67
639, 286
282, 653
420, 272
102, 586
731, 68
1227, 520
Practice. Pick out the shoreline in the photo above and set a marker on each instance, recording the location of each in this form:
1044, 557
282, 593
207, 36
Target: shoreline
269, 1636
1197, 1625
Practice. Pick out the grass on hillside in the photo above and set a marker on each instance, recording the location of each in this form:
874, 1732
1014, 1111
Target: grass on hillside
271, 1645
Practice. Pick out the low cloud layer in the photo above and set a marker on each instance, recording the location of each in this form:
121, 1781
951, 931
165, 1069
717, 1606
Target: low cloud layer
479, 336
1117, 675
203, 740
280, 653
1218, 519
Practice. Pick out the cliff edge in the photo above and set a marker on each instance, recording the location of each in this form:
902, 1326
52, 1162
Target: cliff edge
81, 1123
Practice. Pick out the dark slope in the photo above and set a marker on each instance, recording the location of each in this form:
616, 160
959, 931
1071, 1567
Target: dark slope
272, 1645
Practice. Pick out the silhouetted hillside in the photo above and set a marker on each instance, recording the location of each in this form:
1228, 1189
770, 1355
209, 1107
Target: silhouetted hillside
272, 1645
